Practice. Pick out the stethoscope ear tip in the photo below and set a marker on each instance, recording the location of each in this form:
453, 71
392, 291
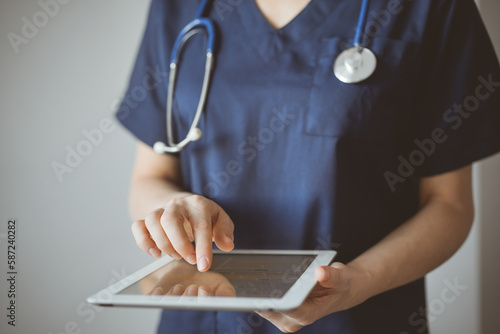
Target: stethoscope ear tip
159, 147
194, 134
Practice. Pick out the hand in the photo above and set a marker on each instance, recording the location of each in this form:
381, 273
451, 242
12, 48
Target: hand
338, 288
185, 219
179, 278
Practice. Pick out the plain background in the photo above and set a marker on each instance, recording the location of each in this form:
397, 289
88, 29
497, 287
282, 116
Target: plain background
74, 236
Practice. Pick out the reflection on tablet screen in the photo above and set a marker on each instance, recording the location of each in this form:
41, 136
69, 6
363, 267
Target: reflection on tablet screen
239, 275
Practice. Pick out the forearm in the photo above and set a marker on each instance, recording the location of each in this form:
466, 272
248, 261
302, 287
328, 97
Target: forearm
151, 193
415, 248
408, 253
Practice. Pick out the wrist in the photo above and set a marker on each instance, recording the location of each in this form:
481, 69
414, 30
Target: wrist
364, 283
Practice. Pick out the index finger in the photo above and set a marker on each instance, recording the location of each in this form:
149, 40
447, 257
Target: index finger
202, 229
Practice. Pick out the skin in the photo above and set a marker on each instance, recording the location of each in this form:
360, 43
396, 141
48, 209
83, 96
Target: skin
174, 218
280, 12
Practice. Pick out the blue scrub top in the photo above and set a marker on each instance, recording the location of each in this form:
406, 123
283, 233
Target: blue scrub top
300, 160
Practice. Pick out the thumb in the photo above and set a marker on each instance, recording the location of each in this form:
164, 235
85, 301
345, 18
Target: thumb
223, 232
337, 276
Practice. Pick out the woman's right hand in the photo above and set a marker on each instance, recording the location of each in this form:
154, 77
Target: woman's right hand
185, 219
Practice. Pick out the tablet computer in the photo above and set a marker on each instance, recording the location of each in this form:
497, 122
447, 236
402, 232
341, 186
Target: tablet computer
241, 280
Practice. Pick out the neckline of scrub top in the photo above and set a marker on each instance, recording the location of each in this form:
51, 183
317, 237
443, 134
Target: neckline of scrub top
268, 40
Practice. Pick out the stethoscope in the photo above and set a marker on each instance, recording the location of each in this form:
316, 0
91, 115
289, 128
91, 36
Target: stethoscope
358, 63
351, 66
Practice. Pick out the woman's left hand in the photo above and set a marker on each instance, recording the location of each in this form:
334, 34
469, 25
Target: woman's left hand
339, 287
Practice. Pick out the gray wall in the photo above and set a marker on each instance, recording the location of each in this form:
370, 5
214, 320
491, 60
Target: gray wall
489, 208
73, 236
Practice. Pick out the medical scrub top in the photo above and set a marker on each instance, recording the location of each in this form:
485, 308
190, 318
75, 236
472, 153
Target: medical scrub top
300, 160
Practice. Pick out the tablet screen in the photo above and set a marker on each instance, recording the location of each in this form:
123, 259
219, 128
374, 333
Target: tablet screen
234, 275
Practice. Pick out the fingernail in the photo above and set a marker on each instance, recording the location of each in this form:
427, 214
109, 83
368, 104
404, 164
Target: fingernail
158, 291
177, 289
191, 258
202, 263
154, 252
326, 274
203, 293
175, 256
229, 241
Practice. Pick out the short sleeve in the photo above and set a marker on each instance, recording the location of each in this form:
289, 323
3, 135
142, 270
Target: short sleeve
458, 102
142, 109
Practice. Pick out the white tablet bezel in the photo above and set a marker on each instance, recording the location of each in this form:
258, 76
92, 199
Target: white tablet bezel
292, 299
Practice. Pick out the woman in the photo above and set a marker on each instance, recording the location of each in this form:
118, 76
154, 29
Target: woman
293, 158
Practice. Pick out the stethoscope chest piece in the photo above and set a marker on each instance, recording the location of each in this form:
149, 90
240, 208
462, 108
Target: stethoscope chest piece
355, 65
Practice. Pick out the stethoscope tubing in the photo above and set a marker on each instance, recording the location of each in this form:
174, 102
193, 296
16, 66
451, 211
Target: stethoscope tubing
198, 25
205, 25
361, 23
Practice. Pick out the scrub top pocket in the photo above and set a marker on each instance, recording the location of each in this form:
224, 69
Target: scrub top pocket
372, 109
